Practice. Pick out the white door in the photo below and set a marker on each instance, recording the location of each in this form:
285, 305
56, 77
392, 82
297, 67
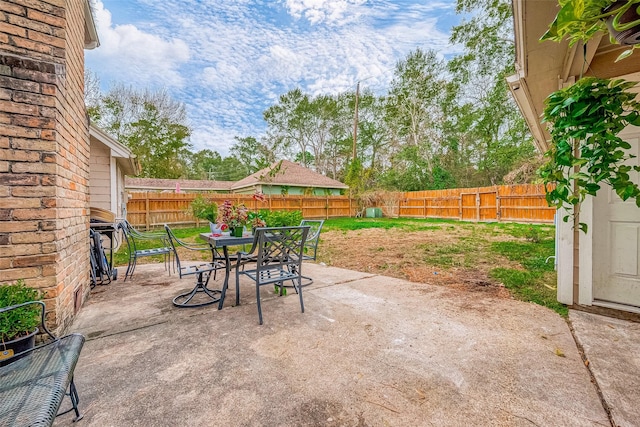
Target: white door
616, 246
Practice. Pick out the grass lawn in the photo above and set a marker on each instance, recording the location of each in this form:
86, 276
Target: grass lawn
502, 259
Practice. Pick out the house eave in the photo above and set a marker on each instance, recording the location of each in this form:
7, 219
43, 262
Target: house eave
91, 40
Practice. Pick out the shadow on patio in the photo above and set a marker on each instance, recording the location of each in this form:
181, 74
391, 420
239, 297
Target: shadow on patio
369, 350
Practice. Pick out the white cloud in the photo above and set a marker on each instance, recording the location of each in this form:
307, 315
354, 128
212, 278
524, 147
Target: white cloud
137, 56
338, 12
230, 60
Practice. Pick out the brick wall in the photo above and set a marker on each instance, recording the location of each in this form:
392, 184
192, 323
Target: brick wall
44, 152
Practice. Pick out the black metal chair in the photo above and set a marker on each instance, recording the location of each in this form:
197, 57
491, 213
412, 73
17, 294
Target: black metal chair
34, 382
133, 238
278, 257
311, 244
202, 271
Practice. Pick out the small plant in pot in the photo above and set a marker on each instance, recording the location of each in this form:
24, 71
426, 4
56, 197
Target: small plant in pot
18, 327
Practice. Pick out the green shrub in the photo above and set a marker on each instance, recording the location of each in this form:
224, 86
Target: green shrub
204, 209
281, 218
21, 321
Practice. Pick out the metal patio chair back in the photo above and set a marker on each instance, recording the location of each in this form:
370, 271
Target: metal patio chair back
311, 244
137, 246
278, 258
202, 270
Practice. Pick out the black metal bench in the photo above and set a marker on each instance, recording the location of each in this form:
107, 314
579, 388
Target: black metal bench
33, 383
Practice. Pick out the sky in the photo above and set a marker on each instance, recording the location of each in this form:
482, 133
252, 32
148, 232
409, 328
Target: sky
229, 60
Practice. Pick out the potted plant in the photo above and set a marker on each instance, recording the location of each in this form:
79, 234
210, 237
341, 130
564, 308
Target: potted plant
581, 20
586, 149
234, 216
18, 327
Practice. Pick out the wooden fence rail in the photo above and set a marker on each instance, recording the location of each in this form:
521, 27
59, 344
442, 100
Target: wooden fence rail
507, 203
150, 210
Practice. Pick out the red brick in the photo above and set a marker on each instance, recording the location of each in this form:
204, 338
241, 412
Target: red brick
4, 39
48, 89
29, 214
17, 226
48, 180
32, 144
30, 45
47, 19
12, 8
32, 261
33, 168
20, 273
5, 214
15, 179
29, 23
48, 158
49, 135
19, 108
34, 122
17, 238
49, 202
5, 263
46, 7
16, 84
16, 250
22, 132
5, 93
35, 76
46, 39
4, 167
12, 29
4, 241
47, 225
19, 202
33, 191
19, 155
34, 98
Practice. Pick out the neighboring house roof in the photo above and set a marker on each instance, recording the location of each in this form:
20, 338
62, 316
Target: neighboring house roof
544, 67
124, 157
288, 173
90, 33
153, 184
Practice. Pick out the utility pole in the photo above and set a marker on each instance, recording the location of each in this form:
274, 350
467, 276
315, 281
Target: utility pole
355, 122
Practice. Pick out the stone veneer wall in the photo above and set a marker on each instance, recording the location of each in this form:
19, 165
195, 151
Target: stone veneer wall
44, 152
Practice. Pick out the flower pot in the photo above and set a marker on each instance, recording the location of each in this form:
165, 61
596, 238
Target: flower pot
629, 36
237, 231
18, 345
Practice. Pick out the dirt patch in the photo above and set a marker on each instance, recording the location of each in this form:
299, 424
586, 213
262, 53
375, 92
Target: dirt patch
449, 256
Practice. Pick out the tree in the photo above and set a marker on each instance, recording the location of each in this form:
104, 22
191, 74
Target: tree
497, 136
253, 154
159, 144
150, 123
203, 164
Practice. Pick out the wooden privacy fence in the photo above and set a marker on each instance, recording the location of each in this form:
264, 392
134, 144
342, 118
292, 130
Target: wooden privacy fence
152, 209
509, 203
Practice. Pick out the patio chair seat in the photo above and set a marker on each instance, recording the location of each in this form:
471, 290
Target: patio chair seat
201, 294
278, 258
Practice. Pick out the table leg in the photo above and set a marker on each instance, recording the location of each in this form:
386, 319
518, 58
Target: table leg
227, 272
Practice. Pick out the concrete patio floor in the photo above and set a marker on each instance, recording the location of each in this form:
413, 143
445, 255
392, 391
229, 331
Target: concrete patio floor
368, 351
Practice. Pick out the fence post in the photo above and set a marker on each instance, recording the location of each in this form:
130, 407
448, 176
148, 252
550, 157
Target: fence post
147, 220
498, 215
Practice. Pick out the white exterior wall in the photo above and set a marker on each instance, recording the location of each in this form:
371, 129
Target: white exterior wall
100, 176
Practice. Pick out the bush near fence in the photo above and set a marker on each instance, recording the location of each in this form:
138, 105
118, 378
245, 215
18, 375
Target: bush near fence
508, 203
